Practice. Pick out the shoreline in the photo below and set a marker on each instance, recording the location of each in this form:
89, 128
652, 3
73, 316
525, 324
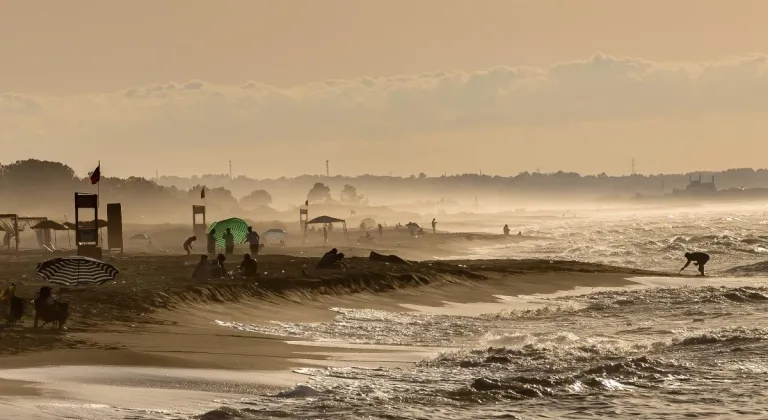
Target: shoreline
174, 335
109, 317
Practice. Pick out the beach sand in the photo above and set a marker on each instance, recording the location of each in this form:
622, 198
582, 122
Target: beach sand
155, 317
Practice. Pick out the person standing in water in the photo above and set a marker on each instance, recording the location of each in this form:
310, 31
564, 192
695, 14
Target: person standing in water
212, 241
506, 230
188, 244
698, 258
434, 225
381, 231
229, 242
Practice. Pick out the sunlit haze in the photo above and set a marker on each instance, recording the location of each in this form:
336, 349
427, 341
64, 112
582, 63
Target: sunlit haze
400, 87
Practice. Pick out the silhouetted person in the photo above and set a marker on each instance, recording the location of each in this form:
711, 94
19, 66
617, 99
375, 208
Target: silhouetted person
506, 230
7, 240
381, 231
698, 258
212, 241
188, 244
253, 241
229, 242
331, 259
249, 267
201, 269
217, 267
434, 225
325, 236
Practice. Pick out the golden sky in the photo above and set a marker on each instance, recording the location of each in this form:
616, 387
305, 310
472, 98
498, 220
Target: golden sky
103, 73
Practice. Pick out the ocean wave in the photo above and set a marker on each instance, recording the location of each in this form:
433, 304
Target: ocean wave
727, 335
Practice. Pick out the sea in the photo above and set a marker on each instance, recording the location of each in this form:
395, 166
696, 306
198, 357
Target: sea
664, 348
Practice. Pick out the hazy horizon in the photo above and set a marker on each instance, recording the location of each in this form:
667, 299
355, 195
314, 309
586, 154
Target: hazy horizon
500, 87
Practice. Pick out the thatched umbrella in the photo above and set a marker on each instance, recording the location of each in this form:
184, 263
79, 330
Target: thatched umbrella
50, 225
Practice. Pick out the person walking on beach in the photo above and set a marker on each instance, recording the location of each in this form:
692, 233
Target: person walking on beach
434, 225
325, 235
212, 241
253, 241
698, 258
381, 231
188, 244
229, 242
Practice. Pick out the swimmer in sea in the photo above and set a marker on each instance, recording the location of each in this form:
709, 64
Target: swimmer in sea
698, 258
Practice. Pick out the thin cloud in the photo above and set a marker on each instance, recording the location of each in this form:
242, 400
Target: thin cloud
199, 113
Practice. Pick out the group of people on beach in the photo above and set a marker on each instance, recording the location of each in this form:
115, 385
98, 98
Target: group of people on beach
206, 269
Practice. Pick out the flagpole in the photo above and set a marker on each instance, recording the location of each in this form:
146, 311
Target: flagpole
98, 206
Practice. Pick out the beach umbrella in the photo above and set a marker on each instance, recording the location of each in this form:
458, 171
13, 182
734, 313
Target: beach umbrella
237, 226
76, 271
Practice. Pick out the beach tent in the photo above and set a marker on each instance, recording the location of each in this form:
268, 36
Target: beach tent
367, 223
322, 220
48, 225
237, 226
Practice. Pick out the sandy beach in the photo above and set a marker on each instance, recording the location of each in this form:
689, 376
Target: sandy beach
155, 317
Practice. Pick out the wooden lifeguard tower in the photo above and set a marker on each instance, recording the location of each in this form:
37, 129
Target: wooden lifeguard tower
87, 238
304, 219
198, 229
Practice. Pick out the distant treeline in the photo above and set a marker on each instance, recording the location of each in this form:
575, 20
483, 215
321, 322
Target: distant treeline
43, 188
387, 190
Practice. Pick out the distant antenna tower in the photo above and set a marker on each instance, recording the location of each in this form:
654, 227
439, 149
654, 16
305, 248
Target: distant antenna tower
230, 169
157, 176
327, 170
633, 166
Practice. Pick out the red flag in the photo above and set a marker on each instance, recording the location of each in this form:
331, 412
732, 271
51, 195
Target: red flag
96, 175
202, 194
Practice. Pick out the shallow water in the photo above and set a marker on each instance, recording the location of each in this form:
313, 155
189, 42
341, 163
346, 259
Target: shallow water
649, 239
655, 352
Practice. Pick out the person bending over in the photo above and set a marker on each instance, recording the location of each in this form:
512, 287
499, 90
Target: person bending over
698, 258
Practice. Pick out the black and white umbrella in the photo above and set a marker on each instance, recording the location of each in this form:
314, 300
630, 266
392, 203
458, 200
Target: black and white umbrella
76, 271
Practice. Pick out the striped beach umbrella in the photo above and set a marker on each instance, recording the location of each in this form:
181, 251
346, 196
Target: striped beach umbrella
76, 271
238, 227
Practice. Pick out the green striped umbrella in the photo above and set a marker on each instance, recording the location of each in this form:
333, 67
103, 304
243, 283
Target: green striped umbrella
237, 226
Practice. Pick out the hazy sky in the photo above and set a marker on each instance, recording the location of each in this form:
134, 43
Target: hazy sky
440, 86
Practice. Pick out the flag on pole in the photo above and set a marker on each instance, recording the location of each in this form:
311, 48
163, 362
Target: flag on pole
202, 194
96, 175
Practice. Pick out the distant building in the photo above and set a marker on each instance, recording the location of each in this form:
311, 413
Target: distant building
697, 187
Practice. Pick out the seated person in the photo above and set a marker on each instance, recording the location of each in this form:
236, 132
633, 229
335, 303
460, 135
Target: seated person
201, 269
217, 269
331, 259
249, 267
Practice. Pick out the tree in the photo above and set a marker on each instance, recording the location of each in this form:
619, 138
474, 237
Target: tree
255, 199
349, 195
319, 192
36, 173
215, 197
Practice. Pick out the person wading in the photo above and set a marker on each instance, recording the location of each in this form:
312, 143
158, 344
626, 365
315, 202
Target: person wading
698, 258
